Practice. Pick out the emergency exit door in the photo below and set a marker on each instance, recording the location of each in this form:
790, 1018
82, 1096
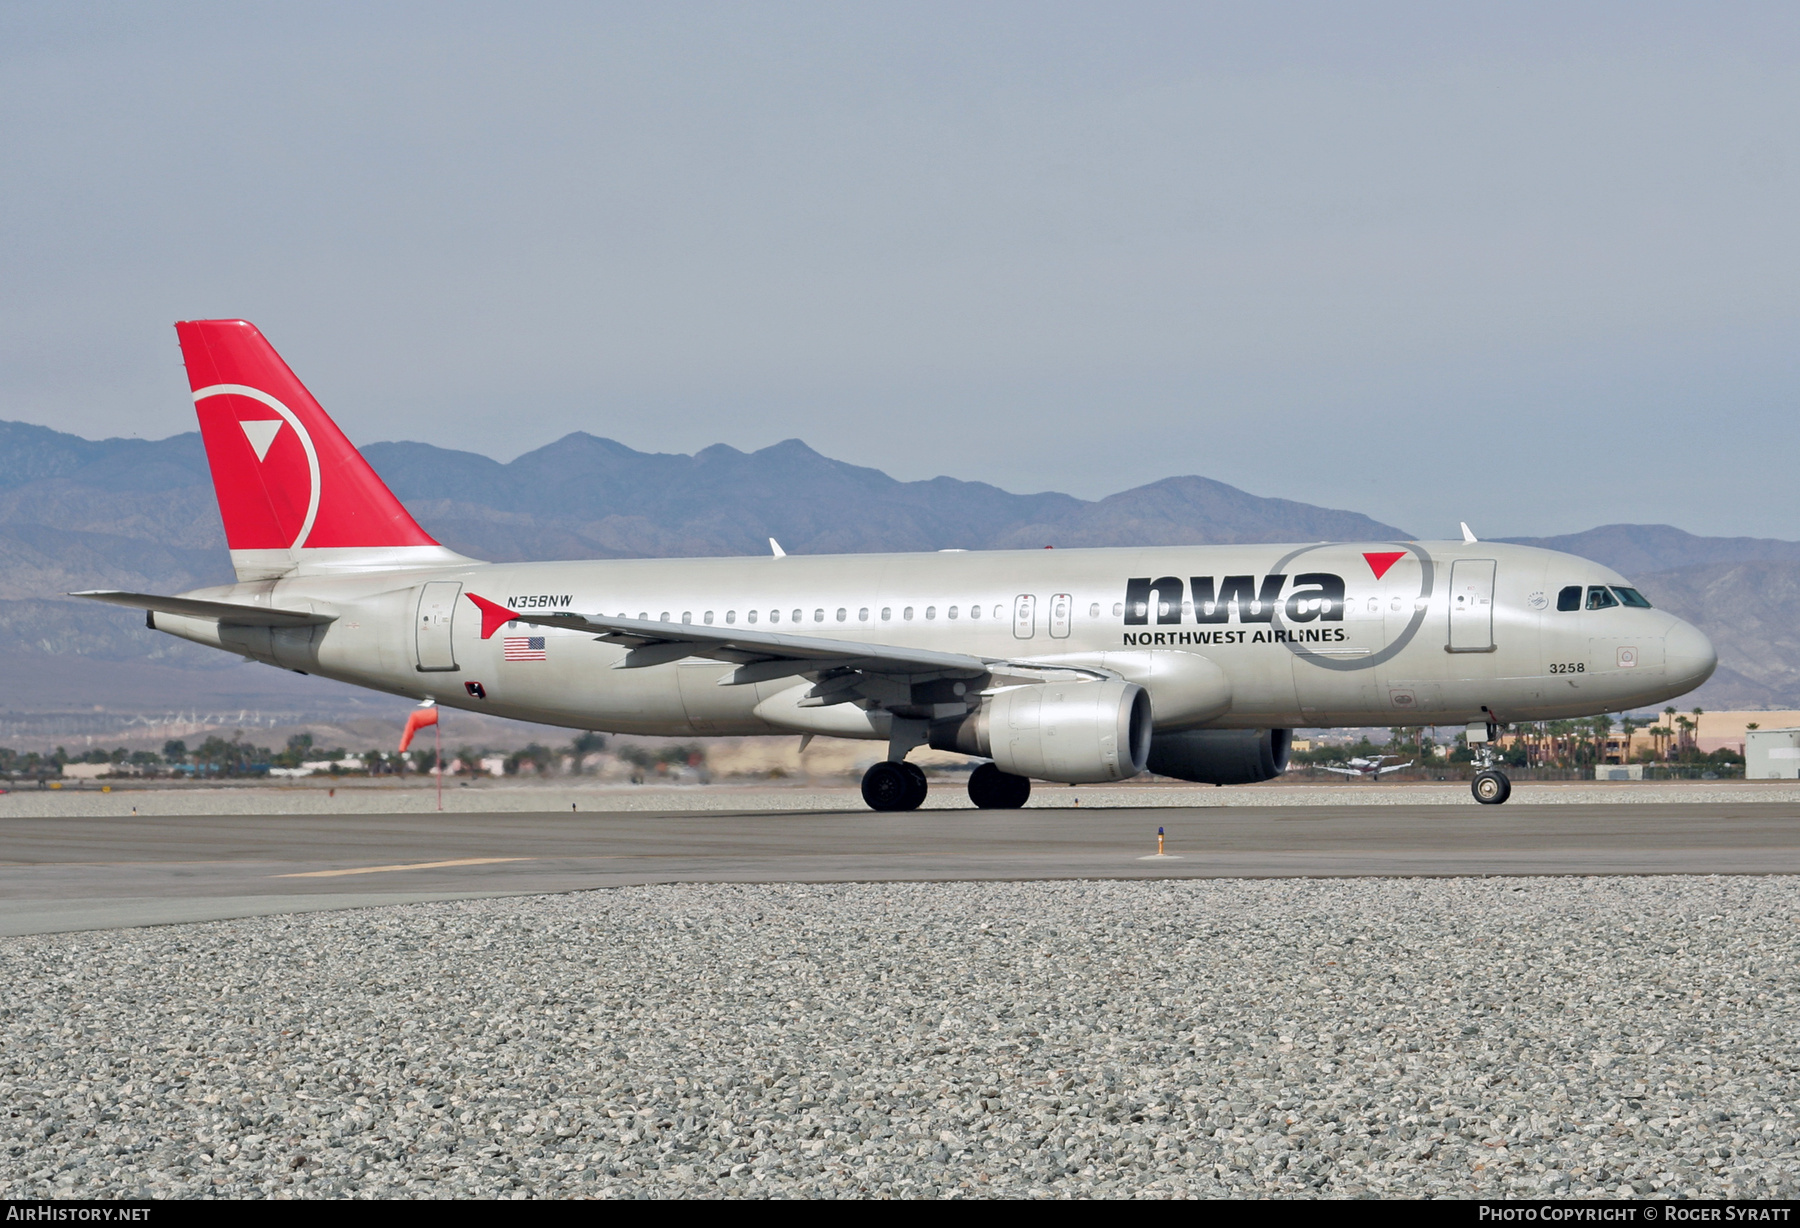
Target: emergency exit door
1472, 605
1024, 616
432, 625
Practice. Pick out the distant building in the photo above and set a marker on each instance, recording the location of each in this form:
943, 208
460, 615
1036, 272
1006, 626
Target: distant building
1772, 754
1717, 731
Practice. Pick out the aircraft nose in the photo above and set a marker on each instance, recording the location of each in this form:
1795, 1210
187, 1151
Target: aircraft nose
1690, 655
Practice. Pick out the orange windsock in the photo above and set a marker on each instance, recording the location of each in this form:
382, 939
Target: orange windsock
420, 718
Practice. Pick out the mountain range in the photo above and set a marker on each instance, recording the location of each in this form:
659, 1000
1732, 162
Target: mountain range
139, 514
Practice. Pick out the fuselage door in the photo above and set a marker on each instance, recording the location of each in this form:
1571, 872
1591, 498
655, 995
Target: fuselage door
1472, 605
431, 626
1061, 605
1024, 616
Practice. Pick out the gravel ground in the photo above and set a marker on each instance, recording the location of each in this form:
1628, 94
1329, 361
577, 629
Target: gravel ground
364, 796
1465, 1036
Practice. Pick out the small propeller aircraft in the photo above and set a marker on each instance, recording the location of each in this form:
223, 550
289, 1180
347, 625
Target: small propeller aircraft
1373, 768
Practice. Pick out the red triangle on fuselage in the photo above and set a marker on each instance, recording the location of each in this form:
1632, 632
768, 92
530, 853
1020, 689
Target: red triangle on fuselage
1379, 563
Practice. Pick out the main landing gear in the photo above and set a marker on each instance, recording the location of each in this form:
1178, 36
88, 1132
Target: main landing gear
901, 786
992, 789
894, 786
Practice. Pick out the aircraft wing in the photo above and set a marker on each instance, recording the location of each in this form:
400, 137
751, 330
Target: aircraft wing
760, 655
223, 611
1344, 771
1393, 767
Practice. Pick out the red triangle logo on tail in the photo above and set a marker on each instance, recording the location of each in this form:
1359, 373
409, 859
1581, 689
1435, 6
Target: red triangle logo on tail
1379, 563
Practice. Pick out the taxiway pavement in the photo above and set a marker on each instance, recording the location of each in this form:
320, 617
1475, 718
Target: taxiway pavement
61, 873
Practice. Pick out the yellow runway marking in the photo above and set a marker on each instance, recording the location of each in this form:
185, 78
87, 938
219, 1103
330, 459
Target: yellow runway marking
420, 865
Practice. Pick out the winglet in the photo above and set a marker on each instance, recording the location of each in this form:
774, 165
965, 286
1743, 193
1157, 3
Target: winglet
1468, 534
776, 550
493, 616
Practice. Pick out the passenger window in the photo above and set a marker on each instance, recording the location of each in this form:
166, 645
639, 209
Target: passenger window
930, 611
797, 615
1632, 598
887, 612
708, 619
1569, 598
862, 615
643, 616
843, 613
730, 616
974, 611
1118, 609
751, 616
1600, 599
665, 616
774, 616
906, 614
951, 612
1094, 610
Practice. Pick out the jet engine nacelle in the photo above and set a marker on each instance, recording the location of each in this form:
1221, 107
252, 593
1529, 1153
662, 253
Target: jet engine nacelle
1070, 732
1222, 756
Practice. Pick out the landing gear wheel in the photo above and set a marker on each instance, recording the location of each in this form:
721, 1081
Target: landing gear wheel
893, 786
992, 789
1490, 787
920, 786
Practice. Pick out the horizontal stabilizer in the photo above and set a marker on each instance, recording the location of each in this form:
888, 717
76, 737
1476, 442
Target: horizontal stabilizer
222, 611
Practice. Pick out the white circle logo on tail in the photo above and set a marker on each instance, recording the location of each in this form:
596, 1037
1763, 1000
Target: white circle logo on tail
261, 436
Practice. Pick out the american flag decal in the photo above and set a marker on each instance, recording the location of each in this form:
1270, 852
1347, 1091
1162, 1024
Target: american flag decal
523, 648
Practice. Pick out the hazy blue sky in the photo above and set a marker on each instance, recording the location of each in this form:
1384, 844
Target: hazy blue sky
1536, 267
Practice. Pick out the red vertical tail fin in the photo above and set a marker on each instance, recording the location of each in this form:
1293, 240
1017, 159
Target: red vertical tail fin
293, 491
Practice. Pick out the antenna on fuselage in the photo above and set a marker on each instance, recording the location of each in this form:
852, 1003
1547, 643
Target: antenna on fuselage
1468, 534
776, 550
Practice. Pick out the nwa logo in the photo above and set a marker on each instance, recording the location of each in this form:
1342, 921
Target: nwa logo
1316, 596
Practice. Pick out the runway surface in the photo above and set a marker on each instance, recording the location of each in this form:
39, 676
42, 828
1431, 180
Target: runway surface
82, 873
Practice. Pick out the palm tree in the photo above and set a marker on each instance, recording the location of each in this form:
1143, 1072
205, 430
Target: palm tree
1662, 733
1684, 726
1627, 727
1601, 726
1697, 714
1560, 734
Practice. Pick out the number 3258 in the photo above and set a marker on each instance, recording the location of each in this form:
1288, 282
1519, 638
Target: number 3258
1568, 667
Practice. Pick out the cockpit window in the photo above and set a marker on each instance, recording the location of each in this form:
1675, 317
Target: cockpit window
1632, 598
1599, 598
1569, 598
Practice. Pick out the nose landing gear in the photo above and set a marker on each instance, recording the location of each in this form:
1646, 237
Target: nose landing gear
894, 786
1490, 786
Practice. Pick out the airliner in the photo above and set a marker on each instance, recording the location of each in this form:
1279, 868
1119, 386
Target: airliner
1066, 666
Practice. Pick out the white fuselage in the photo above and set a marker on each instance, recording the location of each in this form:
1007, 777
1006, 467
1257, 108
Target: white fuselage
1446, 633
